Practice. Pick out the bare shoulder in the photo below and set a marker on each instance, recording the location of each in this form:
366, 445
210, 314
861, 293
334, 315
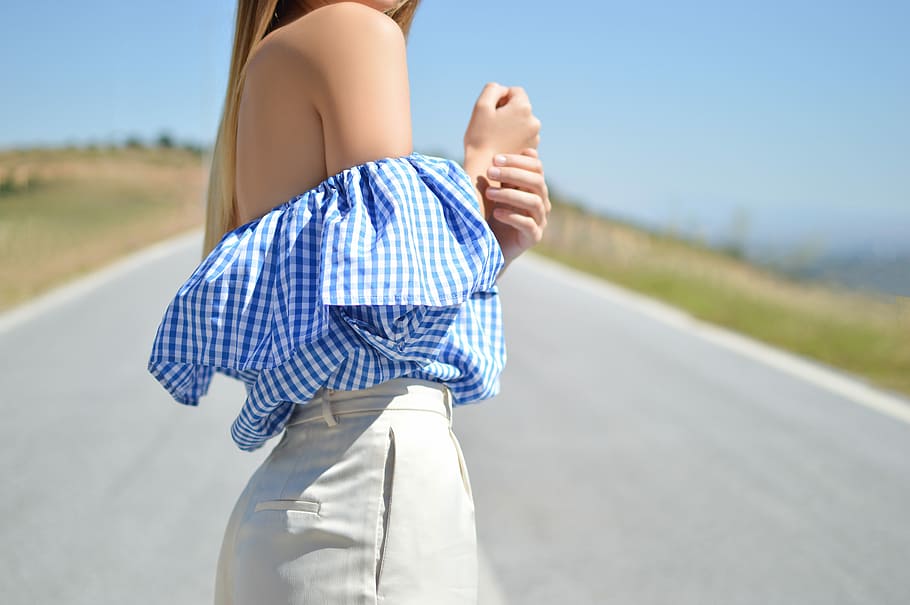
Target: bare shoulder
350, 20
350, 62
330, 37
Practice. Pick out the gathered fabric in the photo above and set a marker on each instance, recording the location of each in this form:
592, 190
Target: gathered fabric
385, 269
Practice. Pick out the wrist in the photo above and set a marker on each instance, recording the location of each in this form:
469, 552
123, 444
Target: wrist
478, 159
475, 164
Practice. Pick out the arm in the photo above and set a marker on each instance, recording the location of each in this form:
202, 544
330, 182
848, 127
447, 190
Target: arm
518, 205
475, 164
338, 77
362, 94
502, 121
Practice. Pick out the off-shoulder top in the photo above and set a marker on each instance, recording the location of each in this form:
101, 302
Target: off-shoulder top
385, 269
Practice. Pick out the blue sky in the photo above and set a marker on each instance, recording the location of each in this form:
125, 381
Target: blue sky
795, 114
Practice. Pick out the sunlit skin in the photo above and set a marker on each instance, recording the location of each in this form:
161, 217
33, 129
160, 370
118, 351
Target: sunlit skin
328, 89
521, 204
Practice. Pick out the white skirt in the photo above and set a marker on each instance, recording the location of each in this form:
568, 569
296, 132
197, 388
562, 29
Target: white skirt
366, 499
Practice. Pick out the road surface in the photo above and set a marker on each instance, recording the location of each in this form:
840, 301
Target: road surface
629, 459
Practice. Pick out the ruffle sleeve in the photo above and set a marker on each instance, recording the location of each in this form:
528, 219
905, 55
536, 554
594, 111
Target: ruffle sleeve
375, 260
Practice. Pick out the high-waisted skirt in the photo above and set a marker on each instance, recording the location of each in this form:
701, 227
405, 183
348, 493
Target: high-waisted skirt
365, 499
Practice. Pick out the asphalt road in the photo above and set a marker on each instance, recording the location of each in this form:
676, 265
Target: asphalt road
628, 459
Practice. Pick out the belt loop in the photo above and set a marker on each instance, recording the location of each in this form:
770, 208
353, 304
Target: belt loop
448, 402
327, 409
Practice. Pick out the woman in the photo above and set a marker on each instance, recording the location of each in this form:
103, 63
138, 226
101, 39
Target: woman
357, 313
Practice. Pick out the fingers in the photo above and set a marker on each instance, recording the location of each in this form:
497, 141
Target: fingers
518, 100
491, 94
514, 96
522, 201
526, 225
525, 162
517, 92
530, 203
530, 180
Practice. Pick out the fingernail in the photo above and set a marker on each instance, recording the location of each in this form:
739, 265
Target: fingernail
500, 159
494, 172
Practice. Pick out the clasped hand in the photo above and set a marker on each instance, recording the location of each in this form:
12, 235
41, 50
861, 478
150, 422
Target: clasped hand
501, 157
521, 204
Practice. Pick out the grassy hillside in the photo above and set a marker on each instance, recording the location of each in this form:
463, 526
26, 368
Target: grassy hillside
862, 333
64, 212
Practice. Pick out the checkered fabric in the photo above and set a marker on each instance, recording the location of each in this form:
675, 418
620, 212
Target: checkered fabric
385, 269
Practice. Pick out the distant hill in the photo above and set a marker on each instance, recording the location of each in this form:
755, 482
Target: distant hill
869, 272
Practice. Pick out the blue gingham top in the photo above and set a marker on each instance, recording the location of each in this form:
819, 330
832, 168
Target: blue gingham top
385, 269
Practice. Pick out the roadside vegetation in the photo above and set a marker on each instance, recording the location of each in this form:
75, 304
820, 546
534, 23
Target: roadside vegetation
67, 211
863, 333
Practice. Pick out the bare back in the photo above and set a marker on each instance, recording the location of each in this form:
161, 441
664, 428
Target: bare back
322, 93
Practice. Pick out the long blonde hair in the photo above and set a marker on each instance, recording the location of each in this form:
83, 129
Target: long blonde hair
254, 22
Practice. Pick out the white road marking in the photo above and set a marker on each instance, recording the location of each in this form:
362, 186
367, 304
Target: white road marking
81, 286
826, 377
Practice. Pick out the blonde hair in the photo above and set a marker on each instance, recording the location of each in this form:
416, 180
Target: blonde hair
254, 22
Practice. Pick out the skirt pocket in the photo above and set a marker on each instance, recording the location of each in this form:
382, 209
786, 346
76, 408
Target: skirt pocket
318, 524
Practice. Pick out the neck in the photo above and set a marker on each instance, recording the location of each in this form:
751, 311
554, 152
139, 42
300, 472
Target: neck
294, 9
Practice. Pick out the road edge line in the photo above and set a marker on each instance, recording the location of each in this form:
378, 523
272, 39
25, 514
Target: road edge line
849, 386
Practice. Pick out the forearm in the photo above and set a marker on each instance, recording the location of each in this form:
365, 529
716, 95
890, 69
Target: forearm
475, 164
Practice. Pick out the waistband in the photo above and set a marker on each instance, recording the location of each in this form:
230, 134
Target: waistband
403, 393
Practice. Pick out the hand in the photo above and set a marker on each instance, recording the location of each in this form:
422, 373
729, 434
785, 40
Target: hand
501, 122
521, 205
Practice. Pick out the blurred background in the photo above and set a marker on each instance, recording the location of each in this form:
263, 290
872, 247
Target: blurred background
746, 162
